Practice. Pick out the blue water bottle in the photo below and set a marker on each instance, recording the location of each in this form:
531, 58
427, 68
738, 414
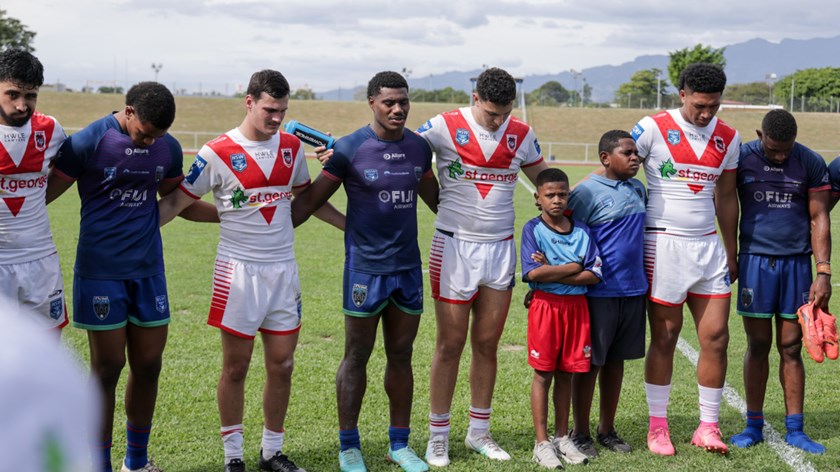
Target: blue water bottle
309, 135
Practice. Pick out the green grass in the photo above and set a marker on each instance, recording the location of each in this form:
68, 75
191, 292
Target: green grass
186, 438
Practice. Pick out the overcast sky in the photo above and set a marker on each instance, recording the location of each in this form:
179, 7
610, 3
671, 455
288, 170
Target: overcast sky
326, 44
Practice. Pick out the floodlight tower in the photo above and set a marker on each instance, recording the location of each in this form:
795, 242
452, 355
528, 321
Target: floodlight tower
157, 67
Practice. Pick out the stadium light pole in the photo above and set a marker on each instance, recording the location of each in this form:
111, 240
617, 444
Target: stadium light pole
658, 89
157, 67
792, 82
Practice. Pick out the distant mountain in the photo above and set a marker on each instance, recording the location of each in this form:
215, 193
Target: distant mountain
749, 61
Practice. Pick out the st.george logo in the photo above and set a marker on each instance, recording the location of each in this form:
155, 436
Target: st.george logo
287, 156
40, 140
511, 142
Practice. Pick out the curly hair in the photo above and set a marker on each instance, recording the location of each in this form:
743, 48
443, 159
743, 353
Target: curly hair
385, 79
610, 139
21, 68
779, 125
703, 77
153, 103
496, 86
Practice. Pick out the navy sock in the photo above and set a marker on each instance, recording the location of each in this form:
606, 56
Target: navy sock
398, 437
349, 439
752, 434
105, 450
796, 437
137, 447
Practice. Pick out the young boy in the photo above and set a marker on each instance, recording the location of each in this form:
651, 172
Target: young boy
613, 206
559, 259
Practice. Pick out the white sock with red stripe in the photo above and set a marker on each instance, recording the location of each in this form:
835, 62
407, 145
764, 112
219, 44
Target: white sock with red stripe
438, 424
272, 442
232, 441
479, 422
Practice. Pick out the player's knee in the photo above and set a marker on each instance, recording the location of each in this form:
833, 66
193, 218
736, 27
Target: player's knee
791, 350
486, 349
715, 341
356, 357
235, 371
281, 368
108, 372
400, 354
758, 346
450, 348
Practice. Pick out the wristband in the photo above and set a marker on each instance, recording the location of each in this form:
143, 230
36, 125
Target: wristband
827, 274
823, 262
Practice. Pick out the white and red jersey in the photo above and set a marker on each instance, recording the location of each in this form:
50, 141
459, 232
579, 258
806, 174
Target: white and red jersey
26, 154
682, 165
252, 185
478, 170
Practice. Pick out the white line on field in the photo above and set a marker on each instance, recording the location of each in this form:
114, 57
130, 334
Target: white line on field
792, 456
527, 185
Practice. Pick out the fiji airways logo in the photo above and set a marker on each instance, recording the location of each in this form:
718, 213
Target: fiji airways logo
129, 197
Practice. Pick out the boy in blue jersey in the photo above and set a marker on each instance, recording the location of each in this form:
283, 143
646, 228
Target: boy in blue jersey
383, 169
613, 206
559, 259
119, 286
783, 190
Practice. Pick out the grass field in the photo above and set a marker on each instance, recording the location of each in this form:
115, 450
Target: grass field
185, 436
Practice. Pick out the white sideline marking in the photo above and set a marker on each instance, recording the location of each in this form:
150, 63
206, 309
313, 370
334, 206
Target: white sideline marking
794, 457
527, 185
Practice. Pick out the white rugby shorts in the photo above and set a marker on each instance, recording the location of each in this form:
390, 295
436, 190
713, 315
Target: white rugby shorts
254, 296
680, 266
38, 287
457, 268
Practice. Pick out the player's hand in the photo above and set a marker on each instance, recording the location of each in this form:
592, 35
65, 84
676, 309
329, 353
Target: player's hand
733, 270
323, 154
820, 292
539, 258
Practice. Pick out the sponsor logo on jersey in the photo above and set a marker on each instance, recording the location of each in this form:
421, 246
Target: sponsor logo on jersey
746, 297
607, 201
462, 136
535, 354
40, 140
674, 136
287, 156
393, 156
426, 127
158, 173
264, 198
773, 169
136, 151
110, 174
196, 168
55, 293
238, 162
129, 197
537, 145
371, 175
455, 169
720, 146
13, 137
418, 172
390, 173
749, 179
726, 279
510, 140
160, 303
101, 306
666, 169
56, 308
359, 294
774, 199
238, 197
11, 185
636, 132
587, 351
400, 198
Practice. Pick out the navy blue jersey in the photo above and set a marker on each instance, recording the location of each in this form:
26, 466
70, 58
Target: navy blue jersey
559, 248
614, 210
775, 219
834, 175
381, 180
117, 181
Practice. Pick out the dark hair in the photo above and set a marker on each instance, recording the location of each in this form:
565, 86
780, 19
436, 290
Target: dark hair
703, 77
21, 68
269, 81
779, 125
153, 103
385, 79
610, 139
551, 175
496, 86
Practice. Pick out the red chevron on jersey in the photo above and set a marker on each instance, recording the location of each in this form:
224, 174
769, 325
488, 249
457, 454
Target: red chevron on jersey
33, 158
268, 213
470, 151
681, 150
246, 169
14, 204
